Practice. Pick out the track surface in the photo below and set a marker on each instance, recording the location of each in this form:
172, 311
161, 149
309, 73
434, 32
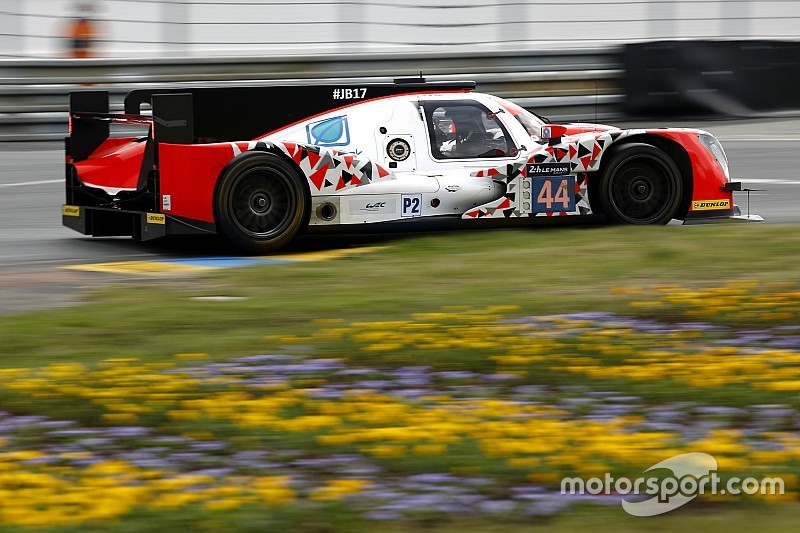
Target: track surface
763, 154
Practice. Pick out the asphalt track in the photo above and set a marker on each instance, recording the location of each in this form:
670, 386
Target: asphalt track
34, 247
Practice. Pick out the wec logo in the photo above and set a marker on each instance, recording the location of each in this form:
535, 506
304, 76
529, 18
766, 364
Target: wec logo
376, 205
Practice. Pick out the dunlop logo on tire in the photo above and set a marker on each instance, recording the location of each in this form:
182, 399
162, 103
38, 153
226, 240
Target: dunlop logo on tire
153, 218
708, 205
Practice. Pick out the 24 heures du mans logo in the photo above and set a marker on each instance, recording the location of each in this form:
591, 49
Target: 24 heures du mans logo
546, 169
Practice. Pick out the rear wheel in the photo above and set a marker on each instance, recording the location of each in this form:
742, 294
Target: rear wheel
261, 202
641, 185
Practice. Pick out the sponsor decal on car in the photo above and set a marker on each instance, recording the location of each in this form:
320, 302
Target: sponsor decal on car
708, 205
378, 205
398, 149
332, 131
546, 169
70, 210
154, 218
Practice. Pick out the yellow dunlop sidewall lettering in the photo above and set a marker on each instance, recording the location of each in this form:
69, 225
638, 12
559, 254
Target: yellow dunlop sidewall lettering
708, 205
153, 218
70, 210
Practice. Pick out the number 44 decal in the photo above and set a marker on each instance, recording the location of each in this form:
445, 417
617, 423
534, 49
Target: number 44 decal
553, 195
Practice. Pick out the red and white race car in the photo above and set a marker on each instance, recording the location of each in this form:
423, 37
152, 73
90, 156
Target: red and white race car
262, 164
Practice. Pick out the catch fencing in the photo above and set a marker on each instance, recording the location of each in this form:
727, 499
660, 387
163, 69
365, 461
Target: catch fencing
579, 84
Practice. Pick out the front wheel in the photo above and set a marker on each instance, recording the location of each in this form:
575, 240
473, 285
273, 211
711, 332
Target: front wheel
261, 202
641, 185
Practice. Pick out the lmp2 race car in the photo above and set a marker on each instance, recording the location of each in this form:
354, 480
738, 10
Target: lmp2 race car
261, 164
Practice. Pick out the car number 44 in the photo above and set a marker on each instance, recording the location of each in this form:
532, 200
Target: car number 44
553, 195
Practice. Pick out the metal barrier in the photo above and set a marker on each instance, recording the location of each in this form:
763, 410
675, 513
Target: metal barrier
580, 84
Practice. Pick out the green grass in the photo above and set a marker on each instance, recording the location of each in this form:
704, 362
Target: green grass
543, 271
334, 518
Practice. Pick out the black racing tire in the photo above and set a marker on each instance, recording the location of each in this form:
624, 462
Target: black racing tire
261, 202
640, 185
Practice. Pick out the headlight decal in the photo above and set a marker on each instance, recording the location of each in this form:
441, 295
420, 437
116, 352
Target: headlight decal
714, 147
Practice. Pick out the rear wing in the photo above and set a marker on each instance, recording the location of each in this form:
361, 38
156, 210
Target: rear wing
90, 120
186, 115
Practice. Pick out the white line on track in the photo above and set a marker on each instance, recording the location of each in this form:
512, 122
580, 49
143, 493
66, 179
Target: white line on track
26, 183
758, 139
768, 180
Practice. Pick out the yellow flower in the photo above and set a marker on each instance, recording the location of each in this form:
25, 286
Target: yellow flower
191, 355
385, 451
337, 489
429, 449
120, 418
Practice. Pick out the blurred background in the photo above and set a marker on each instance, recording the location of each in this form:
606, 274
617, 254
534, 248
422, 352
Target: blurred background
571, 59
198, 28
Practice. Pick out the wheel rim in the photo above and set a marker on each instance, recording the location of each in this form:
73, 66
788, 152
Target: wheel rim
262, 202
643, 190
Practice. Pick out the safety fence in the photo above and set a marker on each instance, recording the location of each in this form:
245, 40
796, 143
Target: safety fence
200, 28
579, 84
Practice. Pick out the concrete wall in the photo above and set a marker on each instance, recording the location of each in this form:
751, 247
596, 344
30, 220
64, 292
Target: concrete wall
150, 28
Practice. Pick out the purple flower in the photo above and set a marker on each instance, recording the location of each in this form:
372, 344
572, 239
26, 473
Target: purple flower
356, 371
27, 420
265, 357
153, 463
212, 472
372, 384
209, 445
660, 426
547, 506
501, 377
497, 506
433, 478
420, 381
128, 431
455, 374
56, 423
383, 515
623, 399
77, 432
410, 392
94, 442
718, 410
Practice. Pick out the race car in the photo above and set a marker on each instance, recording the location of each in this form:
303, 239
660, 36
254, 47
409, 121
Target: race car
260, 165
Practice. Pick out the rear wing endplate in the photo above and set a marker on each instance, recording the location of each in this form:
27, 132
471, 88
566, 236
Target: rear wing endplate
89, 120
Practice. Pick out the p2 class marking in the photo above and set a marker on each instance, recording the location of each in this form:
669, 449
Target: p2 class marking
547, 169
411, 205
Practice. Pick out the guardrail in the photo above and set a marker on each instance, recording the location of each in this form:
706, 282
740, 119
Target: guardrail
579, 84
